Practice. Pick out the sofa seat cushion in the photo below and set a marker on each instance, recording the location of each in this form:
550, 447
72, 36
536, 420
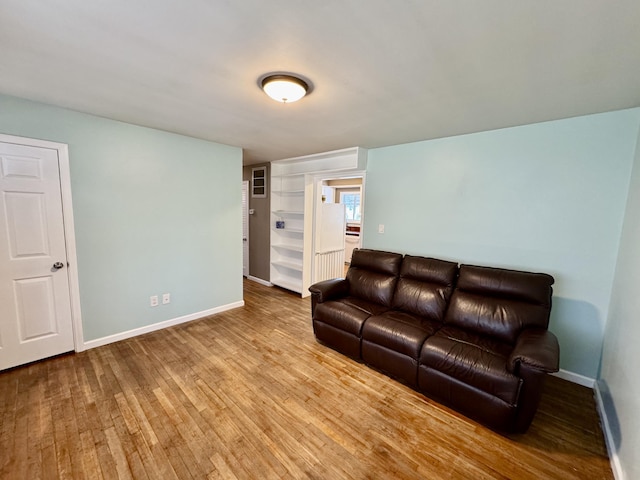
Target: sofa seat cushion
475, 360
348, 314
399, 331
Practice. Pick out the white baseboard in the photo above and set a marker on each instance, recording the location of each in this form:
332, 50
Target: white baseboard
616, 467
260, 281
575, 378
99, 342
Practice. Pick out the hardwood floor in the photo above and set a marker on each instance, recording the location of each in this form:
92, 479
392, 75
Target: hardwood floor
250, 394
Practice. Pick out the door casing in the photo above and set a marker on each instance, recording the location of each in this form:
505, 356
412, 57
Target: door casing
245, 229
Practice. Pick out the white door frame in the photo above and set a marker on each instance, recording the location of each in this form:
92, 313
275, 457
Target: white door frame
69, 229
245, 215
317, 200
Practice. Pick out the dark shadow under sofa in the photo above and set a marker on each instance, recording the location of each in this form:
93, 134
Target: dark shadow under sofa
472, 338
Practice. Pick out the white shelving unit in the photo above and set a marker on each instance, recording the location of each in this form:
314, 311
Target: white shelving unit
287, 228
287, 239
292, 196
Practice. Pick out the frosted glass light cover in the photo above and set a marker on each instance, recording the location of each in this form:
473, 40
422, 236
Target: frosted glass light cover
283, 89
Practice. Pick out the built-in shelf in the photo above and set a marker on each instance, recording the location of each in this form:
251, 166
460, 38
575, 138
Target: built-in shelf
291, 248
292, 203
289, 284
288, 212
288, 175
290, 265
287, 244
289, 192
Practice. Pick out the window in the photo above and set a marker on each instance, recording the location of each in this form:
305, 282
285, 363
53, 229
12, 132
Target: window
259, 182
351, 202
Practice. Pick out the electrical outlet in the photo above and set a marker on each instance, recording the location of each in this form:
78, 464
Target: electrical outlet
153, 300
166, 298
381, 228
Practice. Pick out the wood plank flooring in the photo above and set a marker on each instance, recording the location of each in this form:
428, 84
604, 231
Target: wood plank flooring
250, 394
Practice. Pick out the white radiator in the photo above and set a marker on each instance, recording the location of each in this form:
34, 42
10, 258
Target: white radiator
329, 265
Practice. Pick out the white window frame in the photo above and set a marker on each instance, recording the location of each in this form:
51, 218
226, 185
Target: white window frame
359, 194
258, 188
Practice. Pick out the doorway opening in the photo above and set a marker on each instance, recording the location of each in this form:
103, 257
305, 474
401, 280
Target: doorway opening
334, 245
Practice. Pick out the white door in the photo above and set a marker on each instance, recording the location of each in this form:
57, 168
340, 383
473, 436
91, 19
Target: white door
35, 312
245, 229
329, 242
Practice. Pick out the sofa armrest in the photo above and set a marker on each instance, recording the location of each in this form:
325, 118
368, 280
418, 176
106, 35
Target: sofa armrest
538, 349
327, 290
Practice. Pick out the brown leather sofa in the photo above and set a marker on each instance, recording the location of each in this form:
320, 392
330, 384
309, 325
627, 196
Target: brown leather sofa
473, 338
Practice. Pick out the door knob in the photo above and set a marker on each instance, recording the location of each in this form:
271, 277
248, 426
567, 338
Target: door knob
58, 265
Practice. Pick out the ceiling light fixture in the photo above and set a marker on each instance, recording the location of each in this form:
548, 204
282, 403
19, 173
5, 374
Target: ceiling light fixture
284, 88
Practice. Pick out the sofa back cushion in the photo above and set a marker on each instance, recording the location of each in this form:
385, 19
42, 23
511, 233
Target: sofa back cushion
425, 286
373, 275
500, 303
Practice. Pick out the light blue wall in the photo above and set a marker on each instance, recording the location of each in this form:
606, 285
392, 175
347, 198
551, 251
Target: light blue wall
620, 379
547, 197
154, 212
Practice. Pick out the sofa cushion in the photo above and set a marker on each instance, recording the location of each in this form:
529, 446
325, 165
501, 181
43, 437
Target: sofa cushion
376, 261
472, 359
500, 303
402, 332
489, 344
348, 313
425, 286
372, 275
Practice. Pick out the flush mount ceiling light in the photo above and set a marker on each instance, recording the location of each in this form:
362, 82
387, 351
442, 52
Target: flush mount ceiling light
284, 88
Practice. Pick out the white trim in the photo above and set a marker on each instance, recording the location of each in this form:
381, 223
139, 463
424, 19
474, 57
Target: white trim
317, 178
69, 228
99, 342
245, 216
253, 179
260, 281
575, 378
70, 238
614, 460
609, 441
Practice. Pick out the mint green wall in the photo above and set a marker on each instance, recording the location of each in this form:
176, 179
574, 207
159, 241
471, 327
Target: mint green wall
154, 212
619, 381
547, 197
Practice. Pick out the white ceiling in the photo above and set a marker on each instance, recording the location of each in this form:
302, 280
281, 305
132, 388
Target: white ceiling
383, 72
